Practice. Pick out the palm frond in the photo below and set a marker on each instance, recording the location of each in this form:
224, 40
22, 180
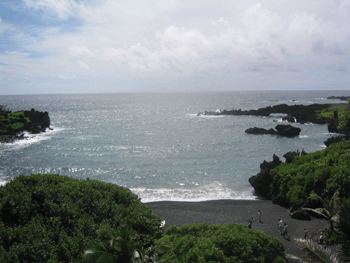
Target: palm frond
320, 211
301, 260
315, 196
317, 252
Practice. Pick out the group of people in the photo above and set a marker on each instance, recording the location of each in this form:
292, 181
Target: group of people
283, 228
306, 236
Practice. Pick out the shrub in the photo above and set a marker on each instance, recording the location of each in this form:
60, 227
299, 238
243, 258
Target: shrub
52, 217
221, 243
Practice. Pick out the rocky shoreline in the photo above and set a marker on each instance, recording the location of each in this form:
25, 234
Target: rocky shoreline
263, 182
294, 113
38, 123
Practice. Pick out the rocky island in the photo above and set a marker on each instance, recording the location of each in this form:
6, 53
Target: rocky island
280, 130
13, 124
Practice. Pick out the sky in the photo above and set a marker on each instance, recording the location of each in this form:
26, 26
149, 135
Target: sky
99, 46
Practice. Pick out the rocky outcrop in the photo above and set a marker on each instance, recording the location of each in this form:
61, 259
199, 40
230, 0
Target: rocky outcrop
342, 98
301, 215
287, 130
292, 154
336, 139
281, 130
31, 121
11, 138
260, 131
39, 121
288, 118
262, 182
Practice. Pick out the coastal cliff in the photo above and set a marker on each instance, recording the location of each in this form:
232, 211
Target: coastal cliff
291, 183
13, 124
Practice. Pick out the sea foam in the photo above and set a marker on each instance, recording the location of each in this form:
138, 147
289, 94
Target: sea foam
214, 191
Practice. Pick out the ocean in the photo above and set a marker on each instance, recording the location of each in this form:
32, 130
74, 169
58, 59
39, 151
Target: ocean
155, 144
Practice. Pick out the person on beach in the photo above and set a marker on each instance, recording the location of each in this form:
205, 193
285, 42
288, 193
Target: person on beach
280, 226
250, 222
259, 216
306, 234
285, 232
321, 239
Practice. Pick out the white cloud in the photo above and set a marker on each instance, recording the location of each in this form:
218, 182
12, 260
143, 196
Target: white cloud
260, 20
221, 21
82, 50
66, 76
3, 27
179, 38
62, 8
82, 65
344, 7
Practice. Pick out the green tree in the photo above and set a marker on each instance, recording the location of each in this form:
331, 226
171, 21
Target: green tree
52, 217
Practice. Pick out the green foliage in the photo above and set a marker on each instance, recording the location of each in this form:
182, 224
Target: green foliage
11, 123
221, 243
329, 113
344, 217
323, 171
333, 237
112, 246
52, 217
344, 121
343, 115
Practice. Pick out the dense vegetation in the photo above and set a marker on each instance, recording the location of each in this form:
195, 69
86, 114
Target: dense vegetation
329, 112
342, 114
12, 123
322, 172
52, 218
221, 243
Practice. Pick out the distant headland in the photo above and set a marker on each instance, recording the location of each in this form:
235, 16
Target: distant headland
13, 124
313, 113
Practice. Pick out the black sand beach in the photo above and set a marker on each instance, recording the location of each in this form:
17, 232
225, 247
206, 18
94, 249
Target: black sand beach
239, 212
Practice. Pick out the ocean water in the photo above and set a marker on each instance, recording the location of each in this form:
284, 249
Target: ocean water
155, 144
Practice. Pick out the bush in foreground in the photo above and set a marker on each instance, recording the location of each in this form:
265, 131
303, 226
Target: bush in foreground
221, 243
52, 218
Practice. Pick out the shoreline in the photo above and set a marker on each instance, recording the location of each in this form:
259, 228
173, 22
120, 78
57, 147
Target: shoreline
238, 212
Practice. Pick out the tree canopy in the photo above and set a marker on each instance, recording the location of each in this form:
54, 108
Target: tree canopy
53, 218
221, 243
